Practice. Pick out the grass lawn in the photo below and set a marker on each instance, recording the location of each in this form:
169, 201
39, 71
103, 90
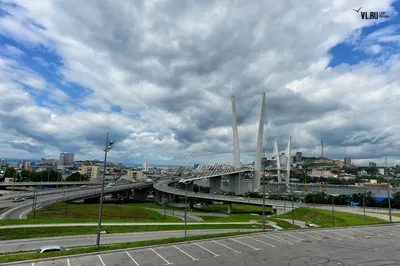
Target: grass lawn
81, 250
283, 224
231, 218
110, 212
36, 232
324, 217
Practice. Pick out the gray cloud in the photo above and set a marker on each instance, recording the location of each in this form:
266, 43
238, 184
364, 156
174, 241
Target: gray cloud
177, 65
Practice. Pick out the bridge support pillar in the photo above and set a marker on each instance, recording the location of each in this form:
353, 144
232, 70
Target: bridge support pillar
157, 196
191, 203
91, 200
140, 194
183, 186
215, 185
229, 208
235, 184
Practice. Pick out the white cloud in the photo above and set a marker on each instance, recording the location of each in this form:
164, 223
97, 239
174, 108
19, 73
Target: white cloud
167, 66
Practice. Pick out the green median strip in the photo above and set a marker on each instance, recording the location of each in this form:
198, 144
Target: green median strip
323, 218
83, 250
38, 232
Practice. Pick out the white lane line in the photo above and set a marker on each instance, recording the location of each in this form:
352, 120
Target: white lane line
322, 234
134, 261
185, 253
102, 262
234, 250
244, 244
335, 231
309, 235
278, 239
33, 264
22, 214
168, 263
69, 264
293, 236
215, 255
252, 238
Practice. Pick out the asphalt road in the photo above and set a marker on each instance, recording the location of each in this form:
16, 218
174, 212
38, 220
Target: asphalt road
368, 246
86, 240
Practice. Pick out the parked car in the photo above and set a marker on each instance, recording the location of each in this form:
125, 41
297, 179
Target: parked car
310, 224
51, 248
30, 197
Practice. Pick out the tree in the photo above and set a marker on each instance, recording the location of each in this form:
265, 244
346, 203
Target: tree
77, 177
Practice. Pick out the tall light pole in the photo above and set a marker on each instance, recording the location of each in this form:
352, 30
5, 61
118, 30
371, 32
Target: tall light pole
388, 191
108, 147
291, 189
364, 207
333, 213
185, 207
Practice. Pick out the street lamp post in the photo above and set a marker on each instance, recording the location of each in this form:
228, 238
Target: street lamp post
185, 206
108, 147
388, 191
263, 208
364, 207
333, 214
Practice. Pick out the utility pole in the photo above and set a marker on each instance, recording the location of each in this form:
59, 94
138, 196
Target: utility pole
364, 208
388, 190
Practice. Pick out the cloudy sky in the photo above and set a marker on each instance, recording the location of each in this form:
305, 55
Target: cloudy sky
159, 75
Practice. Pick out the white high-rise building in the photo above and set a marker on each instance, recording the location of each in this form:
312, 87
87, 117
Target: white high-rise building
145, 167
66, 159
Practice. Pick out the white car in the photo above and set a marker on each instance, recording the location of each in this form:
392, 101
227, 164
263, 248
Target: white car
310, 224
51, 248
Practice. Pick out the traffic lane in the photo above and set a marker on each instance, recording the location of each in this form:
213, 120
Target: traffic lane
70, 241
21, 210
256, 249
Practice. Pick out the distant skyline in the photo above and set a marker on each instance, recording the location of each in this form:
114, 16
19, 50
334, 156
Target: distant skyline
159, 74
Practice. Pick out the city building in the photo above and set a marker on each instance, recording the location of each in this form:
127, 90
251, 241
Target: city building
134, 174
347, 161
145, 167
321, 173
93, 171
299, 155
66, 159
381, 171
372, 164
45, 161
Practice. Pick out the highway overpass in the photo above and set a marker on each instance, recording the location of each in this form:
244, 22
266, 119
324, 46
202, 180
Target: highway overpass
20, 211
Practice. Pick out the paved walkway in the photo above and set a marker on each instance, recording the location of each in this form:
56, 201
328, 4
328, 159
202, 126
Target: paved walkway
360, 212
191, 216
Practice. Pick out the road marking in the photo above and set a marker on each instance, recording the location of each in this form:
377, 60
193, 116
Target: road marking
335, 231
102, 262
33, 264
278, 239
309, 235
185, 253
322, 234
22, 214
249, 237
68, 262
168, 263
137, 264
293, 236
215, 255
243, 243
234, 250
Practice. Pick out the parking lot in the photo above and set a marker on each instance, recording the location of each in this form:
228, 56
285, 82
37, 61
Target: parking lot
370, 246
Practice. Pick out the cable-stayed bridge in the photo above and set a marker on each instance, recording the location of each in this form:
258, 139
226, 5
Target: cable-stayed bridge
217, 155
